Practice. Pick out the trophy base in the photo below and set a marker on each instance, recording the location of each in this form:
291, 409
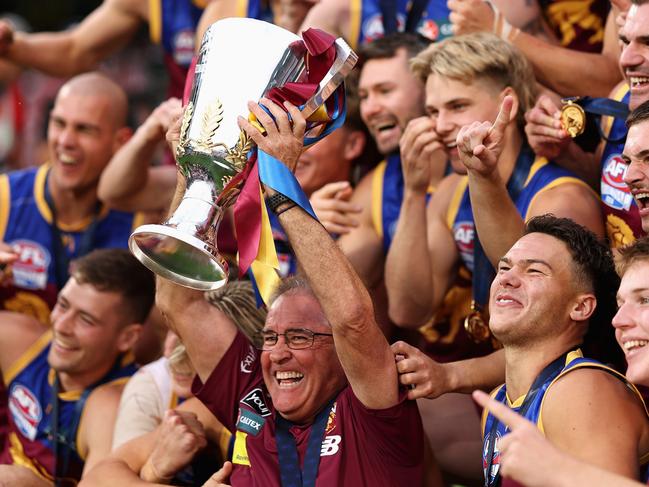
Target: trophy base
179, 257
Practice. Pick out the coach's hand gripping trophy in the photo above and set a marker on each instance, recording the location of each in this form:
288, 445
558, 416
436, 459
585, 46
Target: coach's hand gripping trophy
239, 60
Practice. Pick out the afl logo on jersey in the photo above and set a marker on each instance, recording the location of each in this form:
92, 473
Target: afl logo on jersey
615, 192
614, 171
464, 236
30, 270
25, 410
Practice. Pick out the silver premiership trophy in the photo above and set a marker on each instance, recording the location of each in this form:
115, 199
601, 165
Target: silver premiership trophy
239, 60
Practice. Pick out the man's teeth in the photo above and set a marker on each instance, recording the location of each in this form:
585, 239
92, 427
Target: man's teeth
631, 344
62, 345
638, 80
450, 145
385, 126
288, 375
641, 196
65, 159
505, 301
288, 379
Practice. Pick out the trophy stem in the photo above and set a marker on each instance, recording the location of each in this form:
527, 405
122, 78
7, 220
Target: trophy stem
181, 249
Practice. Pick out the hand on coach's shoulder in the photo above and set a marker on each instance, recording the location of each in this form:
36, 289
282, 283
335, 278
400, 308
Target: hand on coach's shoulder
422, 375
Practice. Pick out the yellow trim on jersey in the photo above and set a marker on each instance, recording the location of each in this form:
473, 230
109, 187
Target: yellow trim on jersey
127, 359
539, 423
454, 204
558, 182
354, 22
5, 204
65, 395
577, 354
224, 442
201, 3
19, 457
607, 122
518, 402
485, 411
46, 212
242, 8
82, 452
377, 197
539, 162
240, 452
39, 193
28, 355
155, 21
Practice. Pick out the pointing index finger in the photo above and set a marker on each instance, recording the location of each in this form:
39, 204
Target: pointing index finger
502, 120
508, 417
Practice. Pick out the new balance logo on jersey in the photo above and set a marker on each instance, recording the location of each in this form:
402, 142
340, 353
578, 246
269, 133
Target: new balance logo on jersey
330, 445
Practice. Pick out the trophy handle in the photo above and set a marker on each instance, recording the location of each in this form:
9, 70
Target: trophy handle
345, 61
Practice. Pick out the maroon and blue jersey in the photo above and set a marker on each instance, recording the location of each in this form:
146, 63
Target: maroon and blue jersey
623, 223
366, 20
574, 360
30, 384
361, 446
26, 225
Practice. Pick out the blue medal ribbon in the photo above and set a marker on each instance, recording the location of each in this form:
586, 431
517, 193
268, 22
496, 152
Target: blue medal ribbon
289, 465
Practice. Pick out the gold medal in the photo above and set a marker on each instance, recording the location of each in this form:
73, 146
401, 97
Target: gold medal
475, 325
573, 118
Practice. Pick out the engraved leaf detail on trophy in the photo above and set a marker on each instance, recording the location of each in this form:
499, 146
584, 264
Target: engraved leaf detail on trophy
212, 117
239, 154
187, 116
